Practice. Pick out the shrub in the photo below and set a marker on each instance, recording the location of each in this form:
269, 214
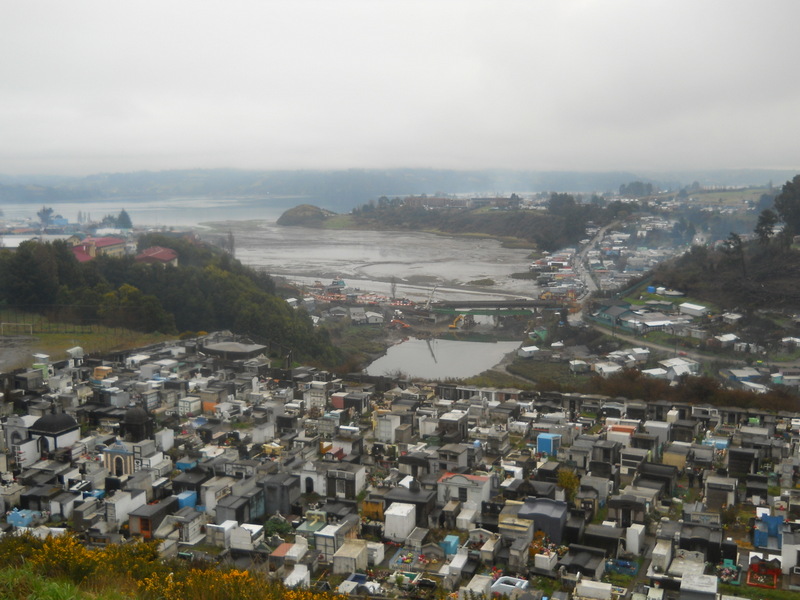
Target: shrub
65, 557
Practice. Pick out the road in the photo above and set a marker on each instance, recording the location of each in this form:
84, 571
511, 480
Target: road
580, 263
582, 270
637, 341
699, 356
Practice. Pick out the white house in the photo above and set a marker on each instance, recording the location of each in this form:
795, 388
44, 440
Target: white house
658, 373
386, 427
790, 551
693, 310
400, 518
579, 366
299, 576
121, 503
679, 366
246, 536
312, 479
470, 490
605, 369
351, 557
374, 318
730, 318
726, 340
213, 490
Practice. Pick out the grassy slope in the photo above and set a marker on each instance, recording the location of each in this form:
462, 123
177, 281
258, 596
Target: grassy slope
99, 340
22, 584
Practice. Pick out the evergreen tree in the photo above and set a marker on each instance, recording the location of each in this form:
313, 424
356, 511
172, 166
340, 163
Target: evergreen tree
787, 205
45, 215
124, 220
766, 226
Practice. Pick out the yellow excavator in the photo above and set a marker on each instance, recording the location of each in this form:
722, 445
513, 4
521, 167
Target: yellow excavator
456, 321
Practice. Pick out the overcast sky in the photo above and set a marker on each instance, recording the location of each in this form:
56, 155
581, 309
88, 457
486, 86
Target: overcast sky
91, 86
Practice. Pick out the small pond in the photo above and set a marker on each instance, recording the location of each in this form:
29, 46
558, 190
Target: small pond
440, 359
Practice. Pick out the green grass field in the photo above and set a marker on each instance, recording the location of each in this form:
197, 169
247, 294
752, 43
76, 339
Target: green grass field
53, 338
544, 372
727, 198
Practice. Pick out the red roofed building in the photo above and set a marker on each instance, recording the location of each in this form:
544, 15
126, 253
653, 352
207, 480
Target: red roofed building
83, 253
89, 247
158, 255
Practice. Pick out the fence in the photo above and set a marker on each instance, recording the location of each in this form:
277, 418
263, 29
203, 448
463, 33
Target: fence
50, 319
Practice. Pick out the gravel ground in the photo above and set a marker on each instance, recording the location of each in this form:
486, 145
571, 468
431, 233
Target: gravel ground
15, 351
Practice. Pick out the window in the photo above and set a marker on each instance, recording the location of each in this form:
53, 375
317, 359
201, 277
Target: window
462, 494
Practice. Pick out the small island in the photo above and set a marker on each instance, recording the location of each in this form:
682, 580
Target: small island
305, 215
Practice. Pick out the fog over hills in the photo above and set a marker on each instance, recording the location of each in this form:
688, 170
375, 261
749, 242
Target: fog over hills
343, 189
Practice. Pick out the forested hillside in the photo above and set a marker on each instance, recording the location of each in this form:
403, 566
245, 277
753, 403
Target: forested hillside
563, 223
760, 272
208, 291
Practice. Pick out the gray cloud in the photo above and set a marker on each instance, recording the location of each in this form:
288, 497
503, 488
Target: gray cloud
104, 86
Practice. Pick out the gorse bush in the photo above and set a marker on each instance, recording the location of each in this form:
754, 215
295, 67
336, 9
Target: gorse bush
62, 567
64, 557
209, 585
198, 584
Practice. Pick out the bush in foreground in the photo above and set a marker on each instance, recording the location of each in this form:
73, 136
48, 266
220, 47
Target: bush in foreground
62, 567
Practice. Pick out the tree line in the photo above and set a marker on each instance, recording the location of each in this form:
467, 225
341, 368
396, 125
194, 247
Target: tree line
209, 291
779, 224
562, 224
695, 390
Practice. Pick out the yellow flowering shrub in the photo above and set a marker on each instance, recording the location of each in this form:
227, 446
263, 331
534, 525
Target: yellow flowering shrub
123, 566
16, 549
136, 560
133, 570
64, 557
222, 585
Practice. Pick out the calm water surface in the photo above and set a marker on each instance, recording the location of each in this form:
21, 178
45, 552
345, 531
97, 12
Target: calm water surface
440, 359
182, 211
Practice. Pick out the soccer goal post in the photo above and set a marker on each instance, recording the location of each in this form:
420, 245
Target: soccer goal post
16, 328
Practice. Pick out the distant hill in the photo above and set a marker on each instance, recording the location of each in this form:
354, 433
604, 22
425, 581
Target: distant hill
562, 224
305, 215
345, 189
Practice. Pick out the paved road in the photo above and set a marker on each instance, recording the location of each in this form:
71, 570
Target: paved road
699, 356
580, 264
585, 274
637, 341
